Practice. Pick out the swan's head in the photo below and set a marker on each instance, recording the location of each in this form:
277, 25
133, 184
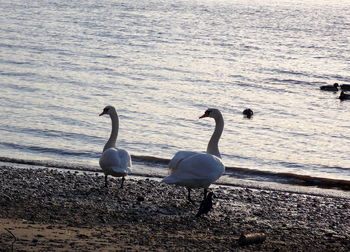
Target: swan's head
336, 85
107, 110
211, 112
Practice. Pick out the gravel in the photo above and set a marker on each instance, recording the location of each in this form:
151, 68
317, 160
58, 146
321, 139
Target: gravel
51, 210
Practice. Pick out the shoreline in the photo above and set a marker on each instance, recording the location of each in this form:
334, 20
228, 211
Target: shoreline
51, 210
245, 175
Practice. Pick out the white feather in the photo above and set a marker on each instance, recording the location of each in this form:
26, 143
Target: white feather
115, 162
198, 170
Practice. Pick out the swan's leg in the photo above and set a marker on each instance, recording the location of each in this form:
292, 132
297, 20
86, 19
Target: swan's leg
106, 180
121, 186
189, 195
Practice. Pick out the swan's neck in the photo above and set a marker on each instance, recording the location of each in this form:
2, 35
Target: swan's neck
114, 133
213, 147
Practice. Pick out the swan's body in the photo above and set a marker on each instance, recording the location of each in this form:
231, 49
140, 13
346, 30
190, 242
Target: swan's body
199, 170
196, 171
113, 161
333, 87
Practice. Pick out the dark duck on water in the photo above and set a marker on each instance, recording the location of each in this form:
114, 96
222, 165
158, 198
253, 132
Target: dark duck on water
333, 87
248, 113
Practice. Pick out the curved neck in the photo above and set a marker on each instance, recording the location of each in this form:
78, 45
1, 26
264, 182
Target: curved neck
213, 147
114, 133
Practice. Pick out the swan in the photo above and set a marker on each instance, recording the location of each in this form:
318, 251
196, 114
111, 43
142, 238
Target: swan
198, 170
333, 87
113, 161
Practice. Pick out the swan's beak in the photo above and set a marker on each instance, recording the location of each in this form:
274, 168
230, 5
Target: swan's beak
204, 115
102, 113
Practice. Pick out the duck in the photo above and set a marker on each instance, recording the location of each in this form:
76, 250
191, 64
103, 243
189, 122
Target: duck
114, 161
344, 96
248, 113
345, 87
195, 169
333, 87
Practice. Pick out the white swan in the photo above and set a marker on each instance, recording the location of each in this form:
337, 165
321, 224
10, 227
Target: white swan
114, 162
199, 170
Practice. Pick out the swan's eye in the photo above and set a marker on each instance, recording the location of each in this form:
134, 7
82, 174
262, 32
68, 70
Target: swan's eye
105, 110
207, 112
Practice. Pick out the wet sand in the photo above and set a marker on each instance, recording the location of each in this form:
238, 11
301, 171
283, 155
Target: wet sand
50, 210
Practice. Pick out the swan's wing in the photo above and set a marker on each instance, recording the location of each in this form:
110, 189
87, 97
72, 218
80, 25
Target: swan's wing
203, 166
178, 158
199, 170
115, 161
125, 158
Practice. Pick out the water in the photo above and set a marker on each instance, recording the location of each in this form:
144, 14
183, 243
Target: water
161, 63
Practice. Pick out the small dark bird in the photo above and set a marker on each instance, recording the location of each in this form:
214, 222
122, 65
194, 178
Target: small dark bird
344, 96
248, 113
206, 205
345, 87
333, 87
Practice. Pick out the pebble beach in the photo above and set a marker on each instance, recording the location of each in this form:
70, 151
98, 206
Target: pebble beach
52, 210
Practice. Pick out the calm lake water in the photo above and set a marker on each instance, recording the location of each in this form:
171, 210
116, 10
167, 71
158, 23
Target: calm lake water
162, 63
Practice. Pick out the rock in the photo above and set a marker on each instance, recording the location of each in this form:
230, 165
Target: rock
82, 236
246, 239
140, 198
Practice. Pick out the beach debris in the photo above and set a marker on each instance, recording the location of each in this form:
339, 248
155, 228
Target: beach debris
206, 205
82, 236
248, 113
333, 87
247, 239
13, 236
140, 198
8, 198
